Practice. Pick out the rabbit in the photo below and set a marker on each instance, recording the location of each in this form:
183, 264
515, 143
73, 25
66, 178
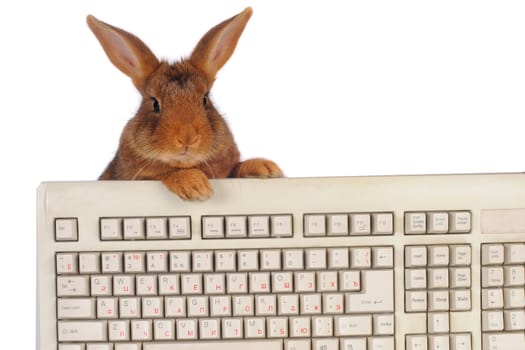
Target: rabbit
177, 136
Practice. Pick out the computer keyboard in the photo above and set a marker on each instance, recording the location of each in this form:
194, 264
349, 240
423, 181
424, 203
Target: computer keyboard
346, 263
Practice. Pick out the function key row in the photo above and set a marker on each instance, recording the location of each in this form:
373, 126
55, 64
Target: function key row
142, 228
247, 226
437, 222
343, 224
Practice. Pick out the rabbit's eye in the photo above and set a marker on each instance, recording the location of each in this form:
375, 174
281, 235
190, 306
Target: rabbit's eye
206, 101
156, 106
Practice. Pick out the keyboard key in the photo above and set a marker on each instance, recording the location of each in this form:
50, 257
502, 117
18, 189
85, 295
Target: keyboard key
134, 262
232, 328
460, 222
415, 279
119, 330
236, 226
514, 297
255, 327
82, 331
89, 262
180, 261
225, 260
416, 342
492, 321
415, 256
156, 228
383, 324
112, 262
164, 329
515, 253
492, 276
514, 320
514, 275
110, 229
383, 343
337, 224
212, 226
416, 301
260, 344
209, 328
277, 327
360, 224
492, 298
325, 344
66, 263
357, 343
129, 307
360, 258
134, 228
460, 255
293, 259
315, 258
265, 305
350, 280
338, 258
259, 226
187, 329
270, 259
314, 225
504, 341
75, 308
353, 325
438, 342
438, 255
152, 307
376, 295
437, 222
141, 330
383, 257
202, 261
107, 308
438, 300
415, 223
179, 227
460, 300
66, 229
72, 286
248, 260
438, 322
297, 344
492, 254
123, 285
281, 225
382, 223
461, 341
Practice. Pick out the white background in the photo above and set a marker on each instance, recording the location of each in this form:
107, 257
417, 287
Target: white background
322, 87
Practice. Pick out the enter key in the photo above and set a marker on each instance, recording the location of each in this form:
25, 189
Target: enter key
376, 294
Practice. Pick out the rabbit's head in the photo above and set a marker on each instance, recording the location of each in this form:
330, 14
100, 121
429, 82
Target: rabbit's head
176, 123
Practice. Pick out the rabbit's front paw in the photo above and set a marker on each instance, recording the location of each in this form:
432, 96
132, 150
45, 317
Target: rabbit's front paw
190, 184
257, 167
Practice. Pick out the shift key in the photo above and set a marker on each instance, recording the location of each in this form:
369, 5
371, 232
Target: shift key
82, 331
376, 294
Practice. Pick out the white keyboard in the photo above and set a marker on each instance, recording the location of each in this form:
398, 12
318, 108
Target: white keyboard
358, 263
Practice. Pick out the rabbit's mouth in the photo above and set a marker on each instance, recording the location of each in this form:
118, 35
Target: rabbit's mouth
186, 158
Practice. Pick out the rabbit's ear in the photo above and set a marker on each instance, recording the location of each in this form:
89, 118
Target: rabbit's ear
127, 52
216, 46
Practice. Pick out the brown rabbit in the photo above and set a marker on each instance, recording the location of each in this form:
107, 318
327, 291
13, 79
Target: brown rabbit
177, 136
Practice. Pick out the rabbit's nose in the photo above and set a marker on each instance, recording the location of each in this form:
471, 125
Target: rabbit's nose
189, 141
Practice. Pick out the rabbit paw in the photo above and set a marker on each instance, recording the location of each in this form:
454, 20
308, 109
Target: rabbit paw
190, 184
257, 167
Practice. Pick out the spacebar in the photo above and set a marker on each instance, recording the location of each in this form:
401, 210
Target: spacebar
217, 345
